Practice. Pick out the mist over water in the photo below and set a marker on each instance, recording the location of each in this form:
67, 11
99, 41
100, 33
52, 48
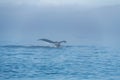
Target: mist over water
24, 24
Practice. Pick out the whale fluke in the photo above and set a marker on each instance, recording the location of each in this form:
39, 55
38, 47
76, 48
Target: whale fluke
56, 43
46, 40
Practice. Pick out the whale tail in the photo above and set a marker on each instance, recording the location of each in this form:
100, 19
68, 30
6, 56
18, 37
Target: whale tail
46, 40
56, 43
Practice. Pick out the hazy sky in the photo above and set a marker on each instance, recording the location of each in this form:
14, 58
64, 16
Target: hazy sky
77, 21
63, 2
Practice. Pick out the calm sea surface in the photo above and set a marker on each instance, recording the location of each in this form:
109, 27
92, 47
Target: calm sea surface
66, 63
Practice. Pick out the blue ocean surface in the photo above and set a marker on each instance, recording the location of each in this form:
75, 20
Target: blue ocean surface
65, 63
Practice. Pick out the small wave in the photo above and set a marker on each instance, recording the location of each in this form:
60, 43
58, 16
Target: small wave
24, 46
46, 47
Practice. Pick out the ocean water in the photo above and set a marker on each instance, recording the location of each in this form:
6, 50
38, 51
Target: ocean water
66, 63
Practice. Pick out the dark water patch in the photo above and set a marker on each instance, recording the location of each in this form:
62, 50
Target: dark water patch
30, 46
23, 46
